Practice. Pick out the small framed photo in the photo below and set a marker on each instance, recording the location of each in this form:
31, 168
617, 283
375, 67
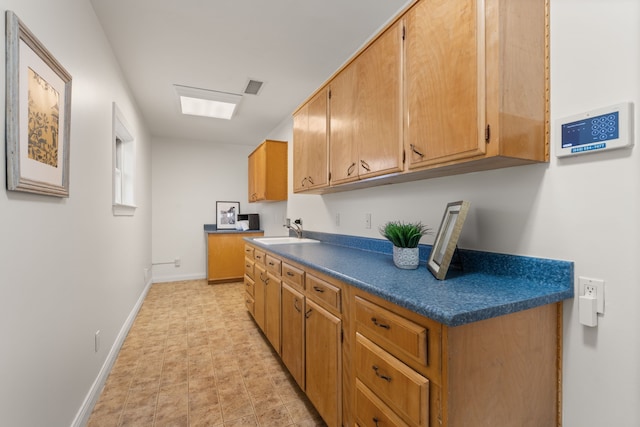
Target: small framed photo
447, 238
38, 115
227, 215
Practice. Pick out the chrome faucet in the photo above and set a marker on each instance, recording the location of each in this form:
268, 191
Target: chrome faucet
296, 227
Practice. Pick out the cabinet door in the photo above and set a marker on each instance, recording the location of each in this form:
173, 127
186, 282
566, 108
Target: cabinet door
273, 288
293, 332
323, 362
225, 253
257, 174
443, 89
300, 138
379, 103
259, 295
343, 147
310, 154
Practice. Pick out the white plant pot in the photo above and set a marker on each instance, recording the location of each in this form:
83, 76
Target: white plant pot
406, 258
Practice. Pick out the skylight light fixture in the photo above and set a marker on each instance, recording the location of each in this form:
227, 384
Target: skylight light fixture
207, 103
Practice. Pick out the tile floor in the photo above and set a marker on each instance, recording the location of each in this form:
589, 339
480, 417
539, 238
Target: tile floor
194, 357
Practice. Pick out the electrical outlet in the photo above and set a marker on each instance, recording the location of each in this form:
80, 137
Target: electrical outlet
593, 288
367, 220
176, 262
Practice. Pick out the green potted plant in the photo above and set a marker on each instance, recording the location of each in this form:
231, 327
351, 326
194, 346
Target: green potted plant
405, 237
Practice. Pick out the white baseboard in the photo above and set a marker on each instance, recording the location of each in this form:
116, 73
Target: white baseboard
178, 277
82, 417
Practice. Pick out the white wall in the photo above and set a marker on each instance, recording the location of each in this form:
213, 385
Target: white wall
68, 267
188, 178
580, 209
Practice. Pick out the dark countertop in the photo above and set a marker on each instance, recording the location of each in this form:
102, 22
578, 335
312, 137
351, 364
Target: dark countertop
213, 228
490, 285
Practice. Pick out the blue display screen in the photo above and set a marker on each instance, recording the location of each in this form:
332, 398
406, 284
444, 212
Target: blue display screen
592, 130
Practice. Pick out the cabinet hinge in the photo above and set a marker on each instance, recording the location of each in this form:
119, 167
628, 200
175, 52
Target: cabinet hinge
487, 134
329, 176
404, 156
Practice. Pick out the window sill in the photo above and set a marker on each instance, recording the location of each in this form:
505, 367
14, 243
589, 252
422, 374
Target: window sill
123, 210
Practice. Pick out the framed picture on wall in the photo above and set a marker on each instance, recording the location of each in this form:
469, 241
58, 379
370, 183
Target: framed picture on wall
447, 238
227, 214
38, 115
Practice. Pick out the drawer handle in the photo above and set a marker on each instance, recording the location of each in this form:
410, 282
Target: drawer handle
271, 264
381, 325
258, 257
296, 306
290, 274
379, 375
375, 420
351, 169
318, 289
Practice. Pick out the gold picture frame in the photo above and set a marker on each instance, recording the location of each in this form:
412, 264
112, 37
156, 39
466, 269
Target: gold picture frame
38, 115
447, 238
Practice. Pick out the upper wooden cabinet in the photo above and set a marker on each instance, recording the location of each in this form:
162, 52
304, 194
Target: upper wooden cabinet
365, 106
310, 157
450, 86
475, 83
268, 172
444, 80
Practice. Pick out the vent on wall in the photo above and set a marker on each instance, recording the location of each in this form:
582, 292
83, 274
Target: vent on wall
253, 87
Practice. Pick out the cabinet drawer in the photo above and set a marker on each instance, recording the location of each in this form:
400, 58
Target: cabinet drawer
293, 275
250, 304
249, 286
320, 290
408, 336
372, 412
248, 251
274, 265
248, 267
402, 388
259, 256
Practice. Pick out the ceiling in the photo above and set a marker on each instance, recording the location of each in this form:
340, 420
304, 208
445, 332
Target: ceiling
291, 45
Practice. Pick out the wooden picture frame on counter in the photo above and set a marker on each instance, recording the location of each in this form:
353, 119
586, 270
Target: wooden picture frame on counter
227, 215
38, 115
447, 238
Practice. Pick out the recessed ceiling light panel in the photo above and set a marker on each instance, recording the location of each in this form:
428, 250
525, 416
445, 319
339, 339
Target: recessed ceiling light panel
207, 103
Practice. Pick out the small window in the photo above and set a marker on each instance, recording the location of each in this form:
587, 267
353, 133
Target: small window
123, 165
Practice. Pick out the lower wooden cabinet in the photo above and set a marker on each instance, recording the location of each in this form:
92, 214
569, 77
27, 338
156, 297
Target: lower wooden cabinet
293, 304
323, 362
225, 256
364, 361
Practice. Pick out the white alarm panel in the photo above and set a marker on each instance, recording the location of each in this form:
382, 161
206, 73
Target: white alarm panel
595, 131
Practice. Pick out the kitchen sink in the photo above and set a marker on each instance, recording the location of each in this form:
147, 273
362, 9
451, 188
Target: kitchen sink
283, 240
